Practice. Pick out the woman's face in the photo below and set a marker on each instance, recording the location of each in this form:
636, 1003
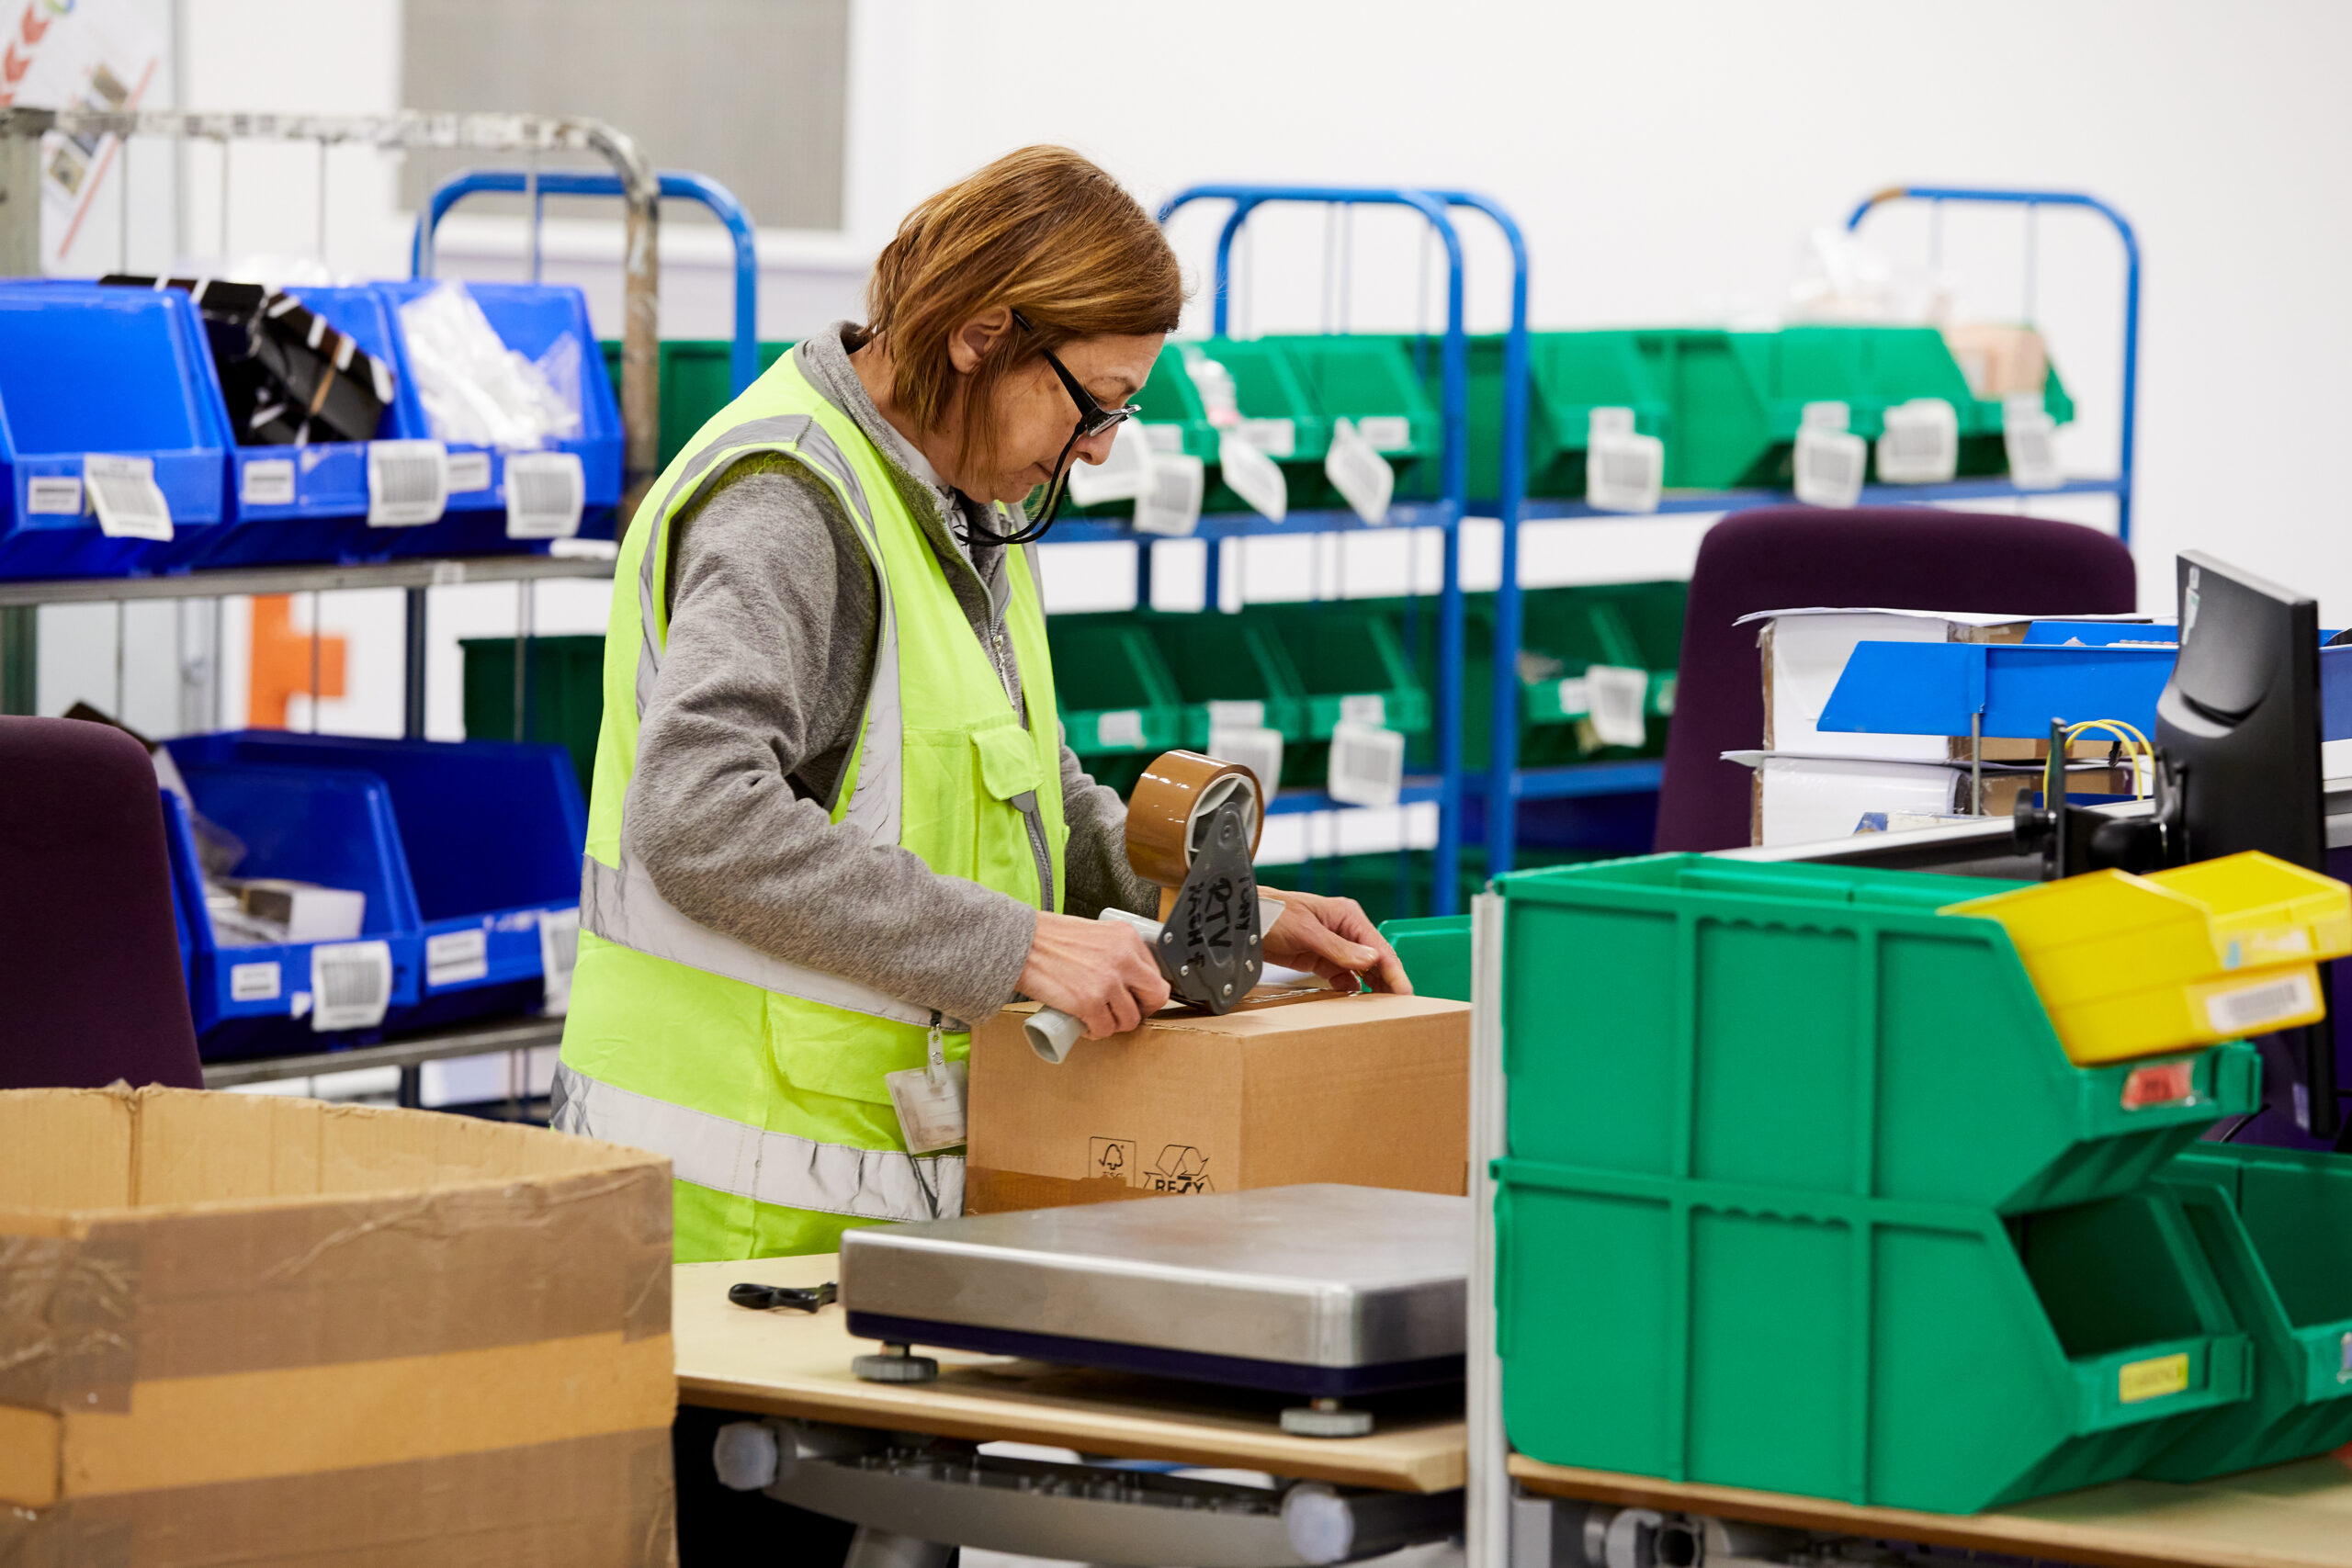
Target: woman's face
1034, 414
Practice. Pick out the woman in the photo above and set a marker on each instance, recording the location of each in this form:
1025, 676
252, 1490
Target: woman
833, 825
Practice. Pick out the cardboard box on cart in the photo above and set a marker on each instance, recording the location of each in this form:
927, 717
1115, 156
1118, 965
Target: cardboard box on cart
246, 1328
1294, 1086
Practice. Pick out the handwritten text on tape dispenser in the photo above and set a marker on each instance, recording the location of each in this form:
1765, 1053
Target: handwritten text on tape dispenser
1192, 829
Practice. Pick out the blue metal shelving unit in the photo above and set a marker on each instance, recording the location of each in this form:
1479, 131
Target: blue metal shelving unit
1506, 784
676, 185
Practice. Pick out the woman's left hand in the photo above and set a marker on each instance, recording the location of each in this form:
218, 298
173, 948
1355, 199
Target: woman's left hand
1334, 938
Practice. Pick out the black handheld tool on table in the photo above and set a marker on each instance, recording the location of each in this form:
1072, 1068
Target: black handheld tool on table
767, 1298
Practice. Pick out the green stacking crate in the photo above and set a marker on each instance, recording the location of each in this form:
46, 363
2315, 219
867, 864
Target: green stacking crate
1223, 666
1346, 659
1571, 374
1272, 396
567, 694
2273, 1224
1368, 379
1435, 952
1822, 1029
698, 381
1881, 1352
1119, 706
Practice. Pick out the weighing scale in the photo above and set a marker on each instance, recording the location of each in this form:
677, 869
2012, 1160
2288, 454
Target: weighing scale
1327, 1292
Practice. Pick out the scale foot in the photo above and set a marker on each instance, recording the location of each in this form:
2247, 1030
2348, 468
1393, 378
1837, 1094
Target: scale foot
895, 1364
1326, 1418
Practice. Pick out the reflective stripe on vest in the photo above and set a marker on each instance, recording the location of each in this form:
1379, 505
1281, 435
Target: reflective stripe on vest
750, 1162
620, 903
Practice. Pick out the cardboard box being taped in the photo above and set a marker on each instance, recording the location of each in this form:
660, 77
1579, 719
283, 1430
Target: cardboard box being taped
1290, 1087
246, 1328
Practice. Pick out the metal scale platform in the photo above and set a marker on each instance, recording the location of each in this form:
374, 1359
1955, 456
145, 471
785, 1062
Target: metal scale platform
1326, 1292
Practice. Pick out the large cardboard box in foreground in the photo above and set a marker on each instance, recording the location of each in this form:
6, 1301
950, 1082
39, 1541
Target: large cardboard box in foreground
246, 1328
1290, 1087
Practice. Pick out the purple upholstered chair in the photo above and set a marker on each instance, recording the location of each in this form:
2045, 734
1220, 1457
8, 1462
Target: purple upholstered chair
88, 949
1898, 557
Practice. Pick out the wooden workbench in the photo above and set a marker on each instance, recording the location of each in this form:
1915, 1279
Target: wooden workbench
2291, 1516
788, 1363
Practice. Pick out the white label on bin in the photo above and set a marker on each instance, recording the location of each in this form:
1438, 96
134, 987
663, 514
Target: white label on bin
408, 483
124, 495
1254, 476
1624, 472
1387, 432
1576, 697
455, 957
1274, 437
1367, 765
1122, 728
1362, 476
544, 491
267, 481
2250, 1010
470, 471
351, 983
1258, 748
1829, 465
1363, 707
2344, 1375
1236, 715
1164, 437
254, 982
1921, 442
2030, 440
1617, 694
559, 951
1170, 504
1123, 474
55, 495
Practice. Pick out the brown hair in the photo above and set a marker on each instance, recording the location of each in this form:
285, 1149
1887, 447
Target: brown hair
1042, 230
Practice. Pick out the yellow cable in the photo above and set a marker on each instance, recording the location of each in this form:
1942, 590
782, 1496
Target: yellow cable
2134, 743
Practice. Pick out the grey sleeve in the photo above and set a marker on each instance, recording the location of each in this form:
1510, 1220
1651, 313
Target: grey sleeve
770, 630
1095, 873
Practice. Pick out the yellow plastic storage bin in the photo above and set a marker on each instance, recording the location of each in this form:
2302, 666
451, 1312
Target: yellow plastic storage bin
2135, 966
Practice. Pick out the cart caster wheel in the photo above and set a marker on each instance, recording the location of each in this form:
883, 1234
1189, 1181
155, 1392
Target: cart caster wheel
895, 1364
1326, 1418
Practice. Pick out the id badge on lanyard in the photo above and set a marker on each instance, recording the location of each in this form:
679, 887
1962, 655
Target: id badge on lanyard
930, 1098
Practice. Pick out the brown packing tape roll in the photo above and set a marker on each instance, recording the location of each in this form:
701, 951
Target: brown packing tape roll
1169, 798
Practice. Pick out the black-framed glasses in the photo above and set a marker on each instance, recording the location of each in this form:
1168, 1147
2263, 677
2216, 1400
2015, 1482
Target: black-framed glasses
1093, 419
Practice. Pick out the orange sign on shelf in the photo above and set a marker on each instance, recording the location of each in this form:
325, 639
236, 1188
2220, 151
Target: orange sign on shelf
280, 665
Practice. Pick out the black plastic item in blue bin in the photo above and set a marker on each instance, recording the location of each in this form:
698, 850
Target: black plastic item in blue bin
90, 372
331, 828
530, 317
291, 504
492, 833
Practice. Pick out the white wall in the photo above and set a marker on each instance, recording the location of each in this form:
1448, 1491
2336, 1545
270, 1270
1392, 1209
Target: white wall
1667, 160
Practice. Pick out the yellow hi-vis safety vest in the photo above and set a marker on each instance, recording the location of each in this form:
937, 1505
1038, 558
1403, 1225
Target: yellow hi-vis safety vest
763, 1079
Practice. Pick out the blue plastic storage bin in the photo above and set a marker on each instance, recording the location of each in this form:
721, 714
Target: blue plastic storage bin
327, 518
531, 318
88, 370
494, 832
325, 825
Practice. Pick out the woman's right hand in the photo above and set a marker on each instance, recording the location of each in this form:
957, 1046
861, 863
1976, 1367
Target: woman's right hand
1099, 971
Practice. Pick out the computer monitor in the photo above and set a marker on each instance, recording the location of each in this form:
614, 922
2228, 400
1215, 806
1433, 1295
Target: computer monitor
2238, 727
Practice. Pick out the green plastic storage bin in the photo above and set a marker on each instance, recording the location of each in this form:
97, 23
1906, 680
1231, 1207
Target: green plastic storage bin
566, 698
1435, 952
1885, 1353
1115, 695
1172, 420
2273, 1224
1818, 1029
1226, 670
1368, 379
1270, 395
1346, 659
698, 381
1570, 374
